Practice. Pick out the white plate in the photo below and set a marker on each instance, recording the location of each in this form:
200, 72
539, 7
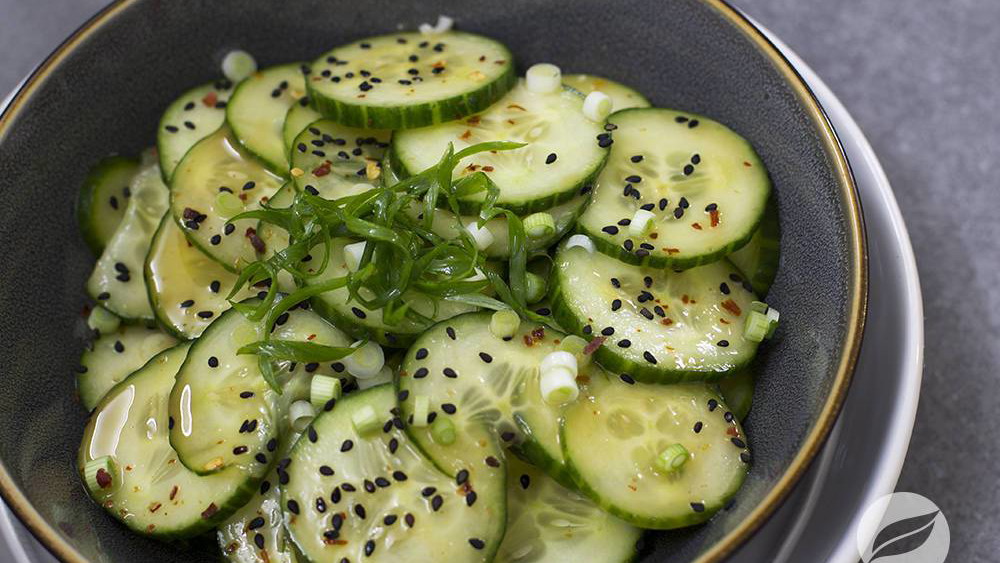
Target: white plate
864, 455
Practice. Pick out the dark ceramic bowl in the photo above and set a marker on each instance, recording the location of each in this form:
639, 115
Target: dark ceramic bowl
104, 89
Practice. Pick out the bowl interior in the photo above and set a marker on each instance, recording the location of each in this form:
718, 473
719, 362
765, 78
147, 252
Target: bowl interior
106, 93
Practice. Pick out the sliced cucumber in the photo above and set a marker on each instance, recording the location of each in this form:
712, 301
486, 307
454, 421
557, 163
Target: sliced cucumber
660, 326
704, 185
214, 167
103, 199
362, 322
622, 97
405, 80
226, 414
614, 434
117, 282
299, 116
256, 532
530, 178
110, 358
564, 215
189, 119
333, 158
150, 491
491, 385
187, 289
548, 523
737, 390
256, 112
759, 259
361, 496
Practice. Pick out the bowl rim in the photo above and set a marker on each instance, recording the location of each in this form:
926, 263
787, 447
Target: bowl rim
61, 548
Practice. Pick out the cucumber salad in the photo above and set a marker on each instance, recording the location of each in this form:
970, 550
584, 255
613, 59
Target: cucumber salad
405, 302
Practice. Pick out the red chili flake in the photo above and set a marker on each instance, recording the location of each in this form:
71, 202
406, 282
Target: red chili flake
500, 62
593, 345
482, 58
210, 511
487, 169
154, 506
667, 322
515, 106
696, 226
747, 164
322, 169
671, 250
732, 307
724, 321
466, 135
732, 431
685, 299
714, 214
474, 120
210, 99
311, 337
173, 492
538, 333
654, 235
103, 478
255, 240
472, 167
150, 528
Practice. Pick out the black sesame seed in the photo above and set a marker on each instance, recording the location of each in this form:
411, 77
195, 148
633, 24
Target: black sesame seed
119, 347
428, 491
436, 503
249, 186
692, 124
421, 353
608, 331
399, 475
448, 372
680, 119
525, 481
551, 158
389, 520
369, 547
712, 405
382, 482
359, 509
409, 519
229, 228
492, 461
325, 470
206, 314
698, 426
724, 288
587, 329
103, 296
451, 332
255, 523
636, 158
320, 505
293, 506
485, 357
627, 378
688, 170
646, 313
368, 486
723, 343
246, 394
346, 446
507, 436
264, 487
633, 179
624, 343
358, 313
745, 457
728, 416
313, 437
697, 507
215, 240
711, 207
683, 203
611, 230
258, 540
477, 543
449, 408
647, 206
420, 373
616, 304
738, 443
213, 362
462, 477
678, 212
696, 159
470, 498
649, 357
628, 245
335, 496
663, 203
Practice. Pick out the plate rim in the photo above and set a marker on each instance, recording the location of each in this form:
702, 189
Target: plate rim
816, 435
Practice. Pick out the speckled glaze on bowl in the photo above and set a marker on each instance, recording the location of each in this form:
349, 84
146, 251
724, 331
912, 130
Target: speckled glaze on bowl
103, 91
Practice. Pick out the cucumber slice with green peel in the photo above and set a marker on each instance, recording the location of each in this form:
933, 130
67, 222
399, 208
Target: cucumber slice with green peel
299, 116
117, 282
358, 496
564, 216
103, 199
548, 523
147, 489
622, 97
333, 158
704, 186
212, 168
187, 289
737, 390
110, 358
225, 412
560, 161
362, 322
659, 326
491, 388
759, 259
256, 532
617, 430
189, 119
406, 80
256, 112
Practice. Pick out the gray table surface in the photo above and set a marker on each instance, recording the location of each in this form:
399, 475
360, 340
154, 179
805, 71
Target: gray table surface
918, 76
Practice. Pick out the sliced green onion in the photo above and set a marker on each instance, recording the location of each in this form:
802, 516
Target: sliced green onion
477, 276
640, 222
300, 414
352, 255
237, 65
559, 360
504, 324
756, 327
597, 106
421, 409
758, 306
365, 420
480, 235
366, 361
576, 346
672, 458
322, 388
100, 474
385, 375
581, 241
443, 431
534, 288
103, 320
543, 78
773, 316
228, 205
538, 225
558, 386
